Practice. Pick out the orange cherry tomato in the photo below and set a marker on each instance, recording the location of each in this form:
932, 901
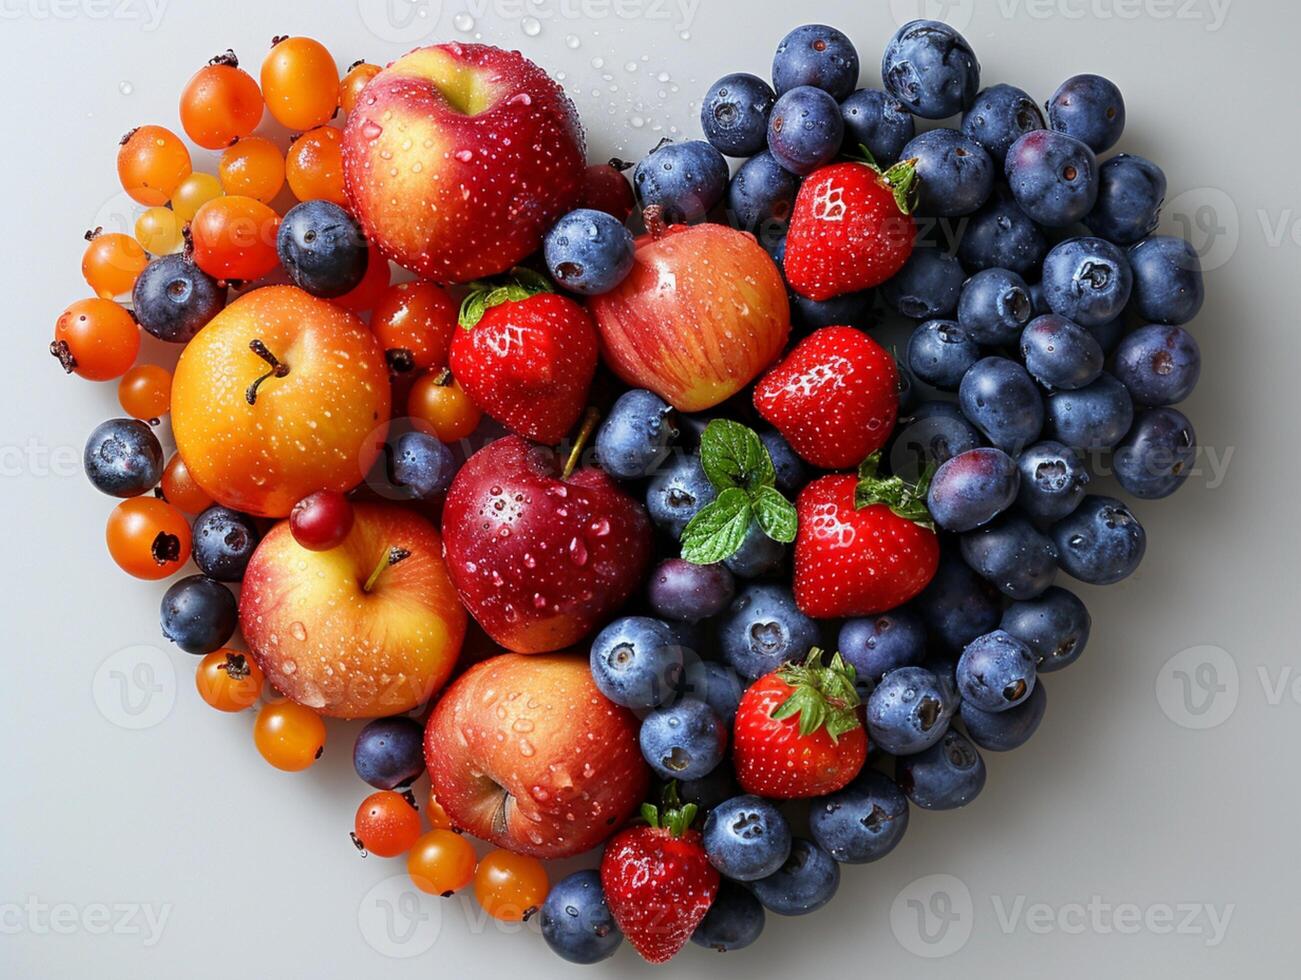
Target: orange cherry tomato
436, 815
195, 191
253, 167
314, 166
151, 164
367, 293
180, 489
229, 680
289, 736
357, 78
510, 887
441, 862
112, 264
145, 392
158, 230
220, 103
96, 339
300, 83
235, 238
148, 537
386, 824
415, 323
440, 405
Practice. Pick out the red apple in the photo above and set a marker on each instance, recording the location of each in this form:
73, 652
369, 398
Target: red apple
349, 632
540, 559
526, 753
702, 313
458, 157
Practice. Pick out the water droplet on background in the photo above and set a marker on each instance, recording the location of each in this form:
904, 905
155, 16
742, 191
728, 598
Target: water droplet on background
463, 22
531, 26
126, 88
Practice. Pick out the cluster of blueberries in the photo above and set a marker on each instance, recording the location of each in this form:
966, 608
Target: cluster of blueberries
1056, 319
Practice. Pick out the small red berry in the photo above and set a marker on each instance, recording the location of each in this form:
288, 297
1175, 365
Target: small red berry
320, 521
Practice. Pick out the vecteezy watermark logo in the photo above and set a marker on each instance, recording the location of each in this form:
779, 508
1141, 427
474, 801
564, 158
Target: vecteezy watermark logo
40, 918
1198, 687
398, 920
148, 13
135, 687
1102, 918
955, 13
1209, 14
400, 21
408, 21
933, 916
1208, 219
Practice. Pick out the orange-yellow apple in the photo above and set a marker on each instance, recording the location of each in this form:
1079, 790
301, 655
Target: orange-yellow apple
352, 632
280, 395
458, 158
525, 752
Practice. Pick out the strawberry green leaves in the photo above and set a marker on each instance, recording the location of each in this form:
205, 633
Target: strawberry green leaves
519, 284
821, 696
901, 178
738, 465
907, 500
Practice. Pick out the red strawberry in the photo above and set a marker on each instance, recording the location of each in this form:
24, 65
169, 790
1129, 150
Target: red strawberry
865, 544
834, 398
526, 355
797, 732
850, 228
658, 882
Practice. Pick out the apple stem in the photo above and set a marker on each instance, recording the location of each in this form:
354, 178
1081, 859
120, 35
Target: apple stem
653, 218
590, 418
278, 370
390, 558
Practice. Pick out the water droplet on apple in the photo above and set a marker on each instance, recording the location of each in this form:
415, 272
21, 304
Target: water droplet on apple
465, 156
539, 600
526, 748
522, 98
577, 551
371, 130
298, 631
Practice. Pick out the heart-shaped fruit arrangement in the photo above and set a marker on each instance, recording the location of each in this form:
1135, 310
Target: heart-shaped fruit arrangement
659, 609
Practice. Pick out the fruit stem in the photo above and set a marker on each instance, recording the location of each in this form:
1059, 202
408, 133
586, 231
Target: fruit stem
653, 218
391, 557
590, 418
278, 370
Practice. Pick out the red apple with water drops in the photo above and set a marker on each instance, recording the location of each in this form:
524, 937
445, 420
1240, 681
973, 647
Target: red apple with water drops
605, 188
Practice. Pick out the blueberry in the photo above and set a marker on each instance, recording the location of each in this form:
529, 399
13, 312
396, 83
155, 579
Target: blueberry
588, 252
1101, 542
1001, 115
1168, 285
634, 438
712, 790
1002, 400
685, 740
1002, 236
876, 645
123, 458
878, 121
685, 179
746, 838
792, 472
1002, 731
1053, 177
909, 710
677, 492
1087, 281
1158, 365
763, 629
1131, 190
1154, 459
931, 69
680, 590
223, 541
862, 822
759, 555
804, 883
422, 466
761, 192
689, 636
995, 672
1013, 555
1108, 335
1037, 300
636, 663
955, 174
1053, 480
931, 433
1055, 626
948, 775
1096, 416
734, 115
817, 55
1090, 108
717, 685
199, 614
174, 299
995, 306
805, 129
958, 605
928, 285
972, 489
847, 309
1059, 353
576, 922
390, 752
322, 248
734, 920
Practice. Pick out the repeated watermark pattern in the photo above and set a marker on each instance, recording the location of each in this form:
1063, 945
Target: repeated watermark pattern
147, 13
1202, 687
398, 920
37, 917
409, 21
135, 687
1209, 15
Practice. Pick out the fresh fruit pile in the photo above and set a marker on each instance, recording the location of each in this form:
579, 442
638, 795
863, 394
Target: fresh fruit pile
643, 481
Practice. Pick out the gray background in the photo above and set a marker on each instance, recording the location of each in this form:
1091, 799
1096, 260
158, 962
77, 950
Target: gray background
1126, 800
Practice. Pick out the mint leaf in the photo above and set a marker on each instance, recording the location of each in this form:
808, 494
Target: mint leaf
718, 529
775, 514
732, 455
